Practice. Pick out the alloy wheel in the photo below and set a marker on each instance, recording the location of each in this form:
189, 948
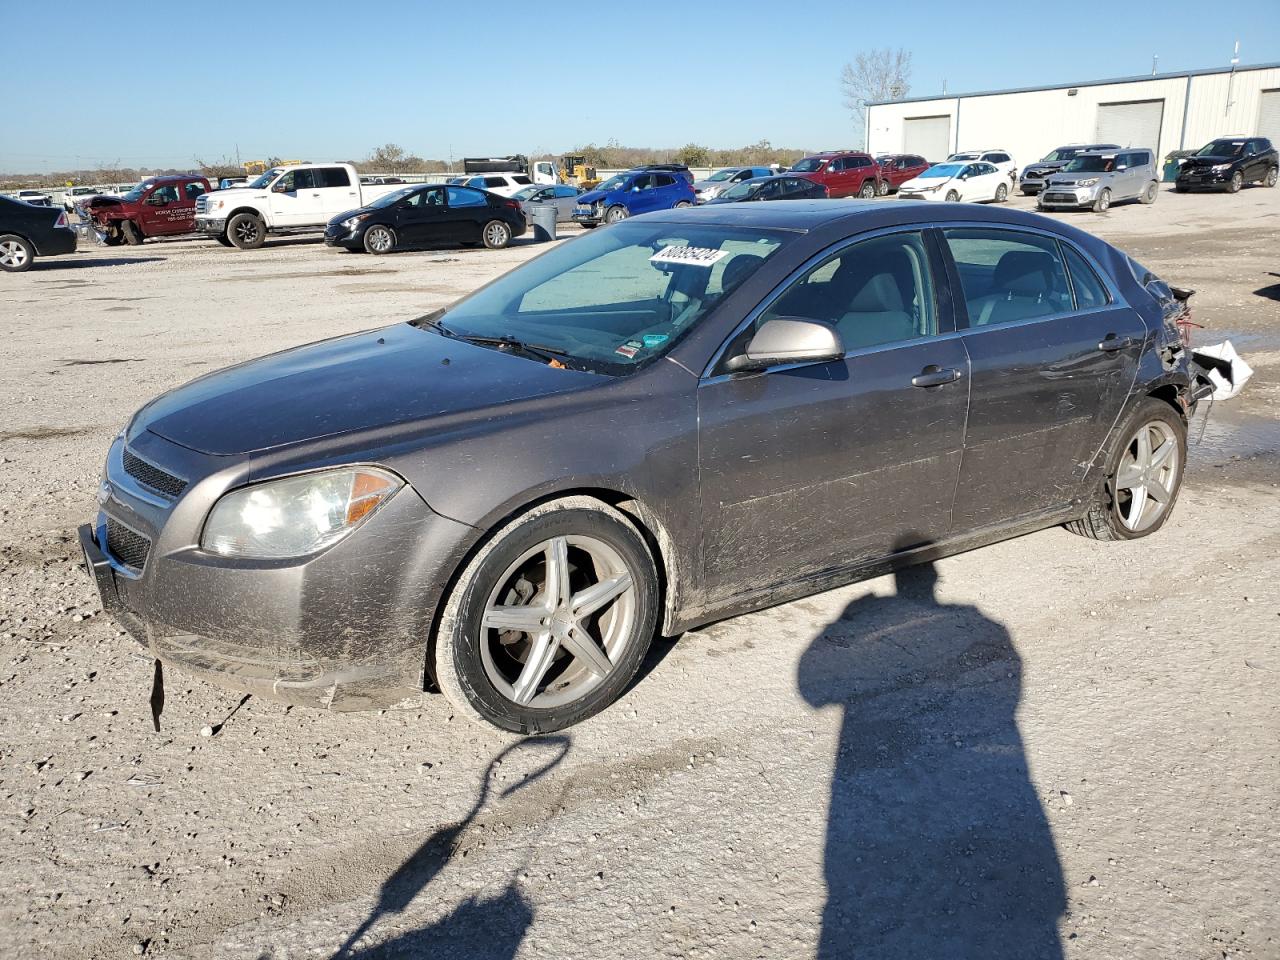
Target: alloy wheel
496, 235
379, 239
13, 255
559, 620
246, 231
1145, 479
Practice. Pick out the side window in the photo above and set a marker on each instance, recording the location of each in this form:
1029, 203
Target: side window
1090, 293
1008, 276
194, 190
836, 166
168, 193
771, 190
495, 181
665, 179
566, 192
875, 291
521, 179
334, 177
861, 162
465, 197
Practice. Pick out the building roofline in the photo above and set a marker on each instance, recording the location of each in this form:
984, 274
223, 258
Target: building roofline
1176, 75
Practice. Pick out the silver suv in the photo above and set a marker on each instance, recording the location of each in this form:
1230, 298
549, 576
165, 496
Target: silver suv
1099, 178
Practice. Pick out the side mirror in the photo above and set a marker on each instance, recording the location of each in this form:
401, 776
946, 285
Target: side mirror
1121, 166
789, 340
278, 187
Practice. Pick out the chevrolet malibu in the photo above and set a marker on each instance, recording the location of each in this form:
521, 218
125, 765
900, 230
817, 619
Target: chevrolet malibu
685, 416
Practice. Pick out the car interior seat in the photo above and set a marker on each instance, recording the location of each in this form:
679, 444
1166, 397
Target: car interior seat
1025, 285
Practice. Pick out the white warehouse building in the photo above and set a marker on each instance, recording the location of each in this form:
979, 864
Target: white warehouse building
1169, 111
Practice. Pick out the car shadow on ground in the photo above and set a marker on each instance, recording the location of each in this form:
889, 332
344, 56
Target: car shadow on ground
937, 844
482, 927
48, 265
1270, 292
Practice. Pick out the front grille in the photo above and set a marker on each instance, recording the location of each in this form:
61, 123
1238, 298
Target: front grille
151, 476
202, 204
1060, 197
127, 546
1032, 174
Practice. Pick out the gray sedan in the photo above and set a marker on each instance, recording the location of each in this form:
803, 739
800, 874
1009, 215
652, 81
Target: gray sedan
563, 196
685, 416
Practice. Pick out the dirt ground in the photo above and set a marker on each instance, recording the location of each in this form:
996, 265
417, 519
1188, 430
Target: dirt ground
1049, 747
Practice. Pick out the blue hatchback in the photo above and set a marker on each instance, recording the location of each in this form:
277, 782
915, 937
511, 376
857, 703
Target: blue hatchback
630, 193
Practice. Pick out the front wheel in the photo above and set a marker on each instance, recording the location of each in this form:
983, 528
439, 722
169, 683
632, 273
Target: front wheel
680, 205
1002, 193
1142, 478
247, 232
1237, 181
868, 190
1103, 203
549, 622
379, 239
883, 189
132, 235
1149, 195
16, 254
953, 196
615, 213
496, 235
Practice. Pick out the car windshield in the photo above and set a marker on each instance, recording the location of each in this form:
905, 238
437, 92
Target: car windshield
1222, 148
134, 195
266, 178
808, 165
395, 196
940, 170
1057, 156
724, 174
1089, 163
525, 193
740, 191
616, 298
613, 183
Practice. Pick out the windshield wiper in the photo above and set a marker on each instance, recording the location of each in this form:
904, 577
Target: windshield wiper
539, 351
432, 320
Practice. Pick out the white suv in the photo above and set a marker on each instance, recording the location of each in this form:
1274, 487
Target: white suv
999, 159
503, 184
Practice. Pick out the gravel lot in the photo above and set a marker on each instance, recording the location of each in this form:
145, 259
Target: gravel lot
1059, 748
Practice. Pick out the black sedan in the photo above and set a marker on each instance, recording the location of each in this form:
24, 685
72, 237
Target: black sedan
681, 417
437, 213
27, 232
1228, 164
780, 187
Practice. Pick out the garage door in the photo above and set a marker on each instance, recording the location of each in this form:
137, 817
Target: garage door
1133, 124
1269, 116
928, 136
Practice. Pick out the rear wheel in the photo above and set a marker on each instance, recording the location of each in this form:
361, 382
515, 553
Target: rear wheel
1142, 478
868, 190
1002, 193
1149, 195
1237, 181
496, 235
953, 196
1270, 179
16, 254
132, 235
379, 239
549, 622
1103, 203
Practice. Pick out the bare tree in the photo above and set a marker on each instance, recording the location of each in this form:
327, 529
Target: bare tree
873, 75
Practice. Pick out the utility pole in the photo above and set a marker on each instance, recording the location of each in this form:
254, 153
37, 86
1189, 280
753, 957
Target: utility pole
1155, 60
1231, 80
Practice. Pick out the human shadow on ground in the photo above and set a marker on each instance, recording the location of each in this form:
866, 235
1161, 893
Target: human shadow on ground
937, 845
482, 927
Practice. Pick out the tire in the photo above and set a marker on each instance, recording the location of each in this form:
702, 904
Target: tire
113, 238
223, 239
379, 239
682, 204
132, 235
882, 189
1110, 513
1002, 193
616, 213
486, 672
246, 231
953, 196
1237, 181
1103, 203
1149, 195
495, 235
868, 190
16, 253
1179, 188
1270, 179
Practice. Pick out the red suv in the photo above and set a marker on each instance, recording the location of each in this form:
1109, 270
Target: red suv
845, 173
897, 168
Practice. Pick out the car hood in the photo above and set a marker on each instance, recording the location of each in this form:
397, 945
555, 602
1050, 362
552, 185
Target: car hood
1045, 166
591, 196
349, 213
1208, 161
101, 200
379, 378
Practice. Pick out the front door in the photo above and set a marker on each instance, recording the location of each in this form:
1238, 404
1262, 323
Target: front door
295, 200
811, 468
161, 208
1052, 360
421, 217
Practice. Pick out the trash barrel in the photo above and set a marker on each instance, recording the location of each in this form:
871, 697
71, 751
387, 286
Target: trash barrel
542, 217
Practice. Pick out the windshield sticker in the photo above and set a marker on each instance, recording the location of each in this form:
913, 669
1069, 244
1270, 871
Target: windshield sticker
630, 349
698, 256
654, 339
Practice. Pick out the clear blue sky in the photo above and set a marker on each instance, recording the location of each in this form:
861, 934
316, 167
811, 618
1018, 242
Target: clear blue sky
320, 80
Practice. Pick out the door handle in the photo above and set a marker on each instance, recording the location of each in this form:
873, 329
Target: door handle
1112, 343
935, 376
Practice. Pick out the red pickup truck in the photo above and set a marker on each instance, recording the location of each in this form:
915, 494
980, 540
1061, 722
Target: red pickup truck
157, 207
843, 173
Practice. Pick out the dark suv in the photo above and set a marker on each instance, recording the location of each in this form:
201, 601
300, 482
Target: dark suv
1035, 174
845, 173
1228, 163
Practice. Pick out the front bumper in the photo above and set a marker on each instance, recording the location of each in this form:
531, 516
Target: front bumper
339, 236
1030, 186
343, 629
1062, 197
212, 226
1203, 181
938, 195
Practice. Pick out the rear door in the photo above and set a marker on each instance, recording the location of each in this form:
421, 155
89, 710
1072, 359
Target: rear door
1053, 354
813, 467
336, 193
466, 214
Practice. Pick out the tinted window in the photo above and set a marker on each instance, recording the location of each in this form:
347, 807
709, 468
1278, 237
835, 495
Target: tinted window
858, 162
876, 291
466, 197
664, 179
168, 193
1089, 291
337, 177
521, 179
771, 190
194, 190
1008, 276
495, 181
566, 191
997, 157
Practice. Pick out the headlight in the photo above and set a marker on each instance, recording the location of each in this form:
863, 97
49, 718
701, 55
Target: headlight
1091, 182
297, 515
352, 222
1220, 167
933, 188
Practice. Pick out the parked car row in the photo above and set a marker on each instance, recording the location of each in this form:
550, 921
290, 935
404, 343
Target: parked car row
29, 230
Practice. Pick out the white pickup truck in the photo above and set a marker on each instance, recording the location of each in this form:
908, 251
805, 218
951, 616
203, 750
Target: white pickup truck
285, 199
